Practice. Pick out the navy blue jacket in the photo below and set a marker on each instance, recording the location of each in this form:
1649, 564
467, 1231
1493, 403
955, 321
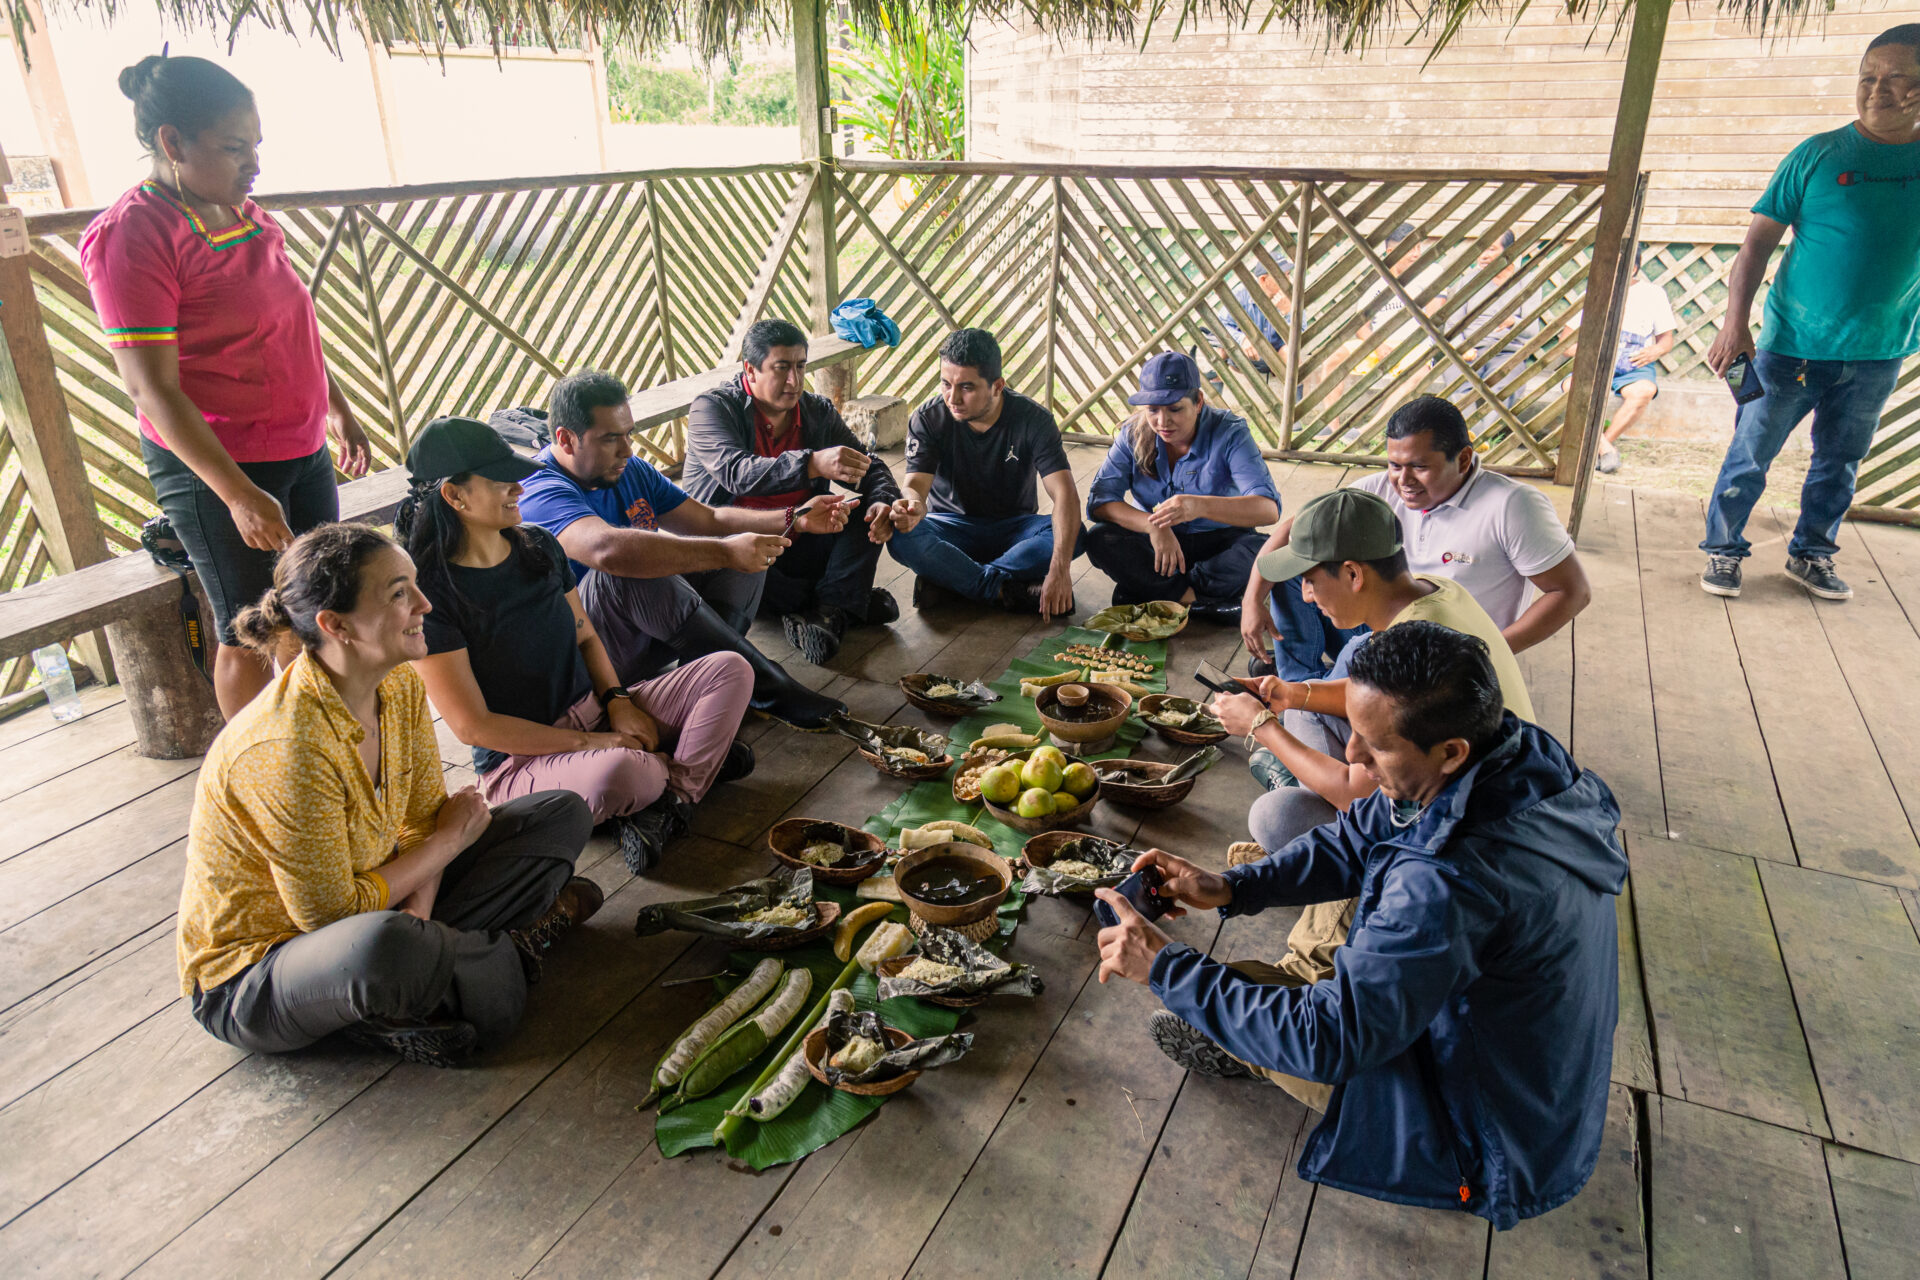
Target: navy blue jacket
1468, 1026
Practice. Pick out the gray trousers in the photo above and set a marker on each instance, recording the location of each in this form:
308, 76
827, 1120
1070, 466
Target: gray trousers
1282, 816
637, 618
393, 966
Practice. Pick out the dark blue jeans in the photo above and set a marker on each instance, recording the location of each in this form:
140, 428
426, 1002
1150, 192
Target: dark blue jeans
1845, 398
1308, 638
976, 557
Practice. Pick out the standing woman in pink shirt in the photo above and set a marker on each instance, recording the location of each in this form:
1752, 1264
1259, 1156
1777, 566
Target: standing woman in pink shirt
215, 336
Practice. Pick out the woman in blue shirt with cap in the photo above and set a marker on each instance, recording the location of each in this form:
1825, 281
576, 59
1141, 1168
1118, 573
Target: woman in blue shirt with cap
1200, 491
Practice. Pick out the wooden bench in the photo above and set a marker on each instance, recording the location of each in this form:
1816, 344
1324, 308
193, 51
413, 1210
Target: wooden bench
137, 602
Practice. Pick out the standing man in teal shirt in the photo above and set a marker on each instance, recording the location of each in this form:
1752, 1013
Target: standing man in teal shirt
1843, 313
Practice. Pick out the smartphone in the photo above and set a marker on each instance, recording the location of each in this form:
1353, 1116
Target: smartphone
1744, 381
1216, 679
1138, 889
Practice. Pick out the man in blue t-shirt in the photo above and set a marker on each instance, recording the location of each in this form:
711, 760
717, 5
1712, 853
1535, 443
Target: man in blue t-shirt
1843, 313
662, 575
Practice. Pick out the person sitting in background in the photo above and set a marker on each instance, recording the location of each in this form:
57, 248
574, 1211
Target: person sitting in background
1346, 551
1201, 486
1647, 328
764, 443
332, 884
663, 576
1460, 1051
968, 524
1275, 340
1495, 536
520, 675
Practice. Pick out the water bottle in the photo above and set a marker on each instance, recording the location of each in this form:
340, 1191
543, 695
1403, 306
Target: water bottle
56, 677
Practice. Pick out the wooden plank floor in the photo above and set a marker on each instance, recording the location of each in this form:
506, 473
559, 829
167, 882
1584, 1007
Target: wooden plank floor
1763, 1120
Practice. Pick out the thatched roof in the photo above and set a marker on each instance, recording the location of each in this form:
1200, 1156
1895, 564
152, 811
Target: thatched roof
715, 26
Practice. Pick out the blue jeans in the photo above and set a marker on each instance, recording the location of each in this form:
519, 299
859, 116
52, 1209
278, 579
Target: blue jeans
1307, 636
976, 557
1845, 398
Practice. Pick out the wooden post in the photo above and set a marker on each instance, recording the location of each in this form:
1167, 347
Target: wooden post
814, 100
1599, 324
1053, 298
35, 409
48, 97
380, 64
1296, 326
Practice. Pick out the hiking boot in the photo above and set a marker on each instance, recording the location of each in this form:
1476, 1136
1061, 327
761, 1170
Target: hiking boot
579, 898
929, 594
644, 836
431, 1044
1268, 771
882, 608
1186, 1046
816, 633
738, 764
1816, 574
1609, 460
1722, 577
1241, 852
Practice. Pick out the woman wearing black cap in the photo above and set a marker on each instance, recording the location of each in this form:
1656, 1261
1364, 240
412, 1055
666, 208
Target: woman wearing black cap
519, 674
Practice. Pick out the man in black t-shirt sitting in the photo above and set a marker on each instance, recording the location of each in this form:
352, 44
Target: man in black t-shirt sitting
969, 523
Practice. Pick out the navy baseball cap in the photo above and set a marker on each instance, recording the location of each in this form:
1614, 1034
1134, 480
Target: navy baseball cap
1168, 378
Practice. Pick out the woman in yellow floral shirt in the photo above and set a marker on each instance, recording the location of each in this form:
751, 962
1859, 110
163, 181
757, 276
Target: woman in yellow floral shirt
332, 883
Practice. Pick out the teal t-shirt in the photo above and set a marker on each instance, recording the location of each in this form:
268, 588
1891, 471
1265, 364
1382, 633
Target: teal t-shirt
1850, 287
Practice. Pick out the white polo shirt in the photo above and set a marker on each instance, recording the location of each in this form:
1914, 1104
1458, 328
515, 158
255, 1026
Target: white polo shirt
1490, 537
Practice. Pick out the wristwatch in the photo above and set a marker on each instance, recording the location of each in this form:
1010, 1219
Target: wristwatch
606, 698
1266, 716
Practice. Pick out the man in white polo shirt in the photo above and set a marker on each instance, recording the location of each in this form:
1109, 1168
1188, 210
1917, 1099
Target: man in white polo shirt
1495, 536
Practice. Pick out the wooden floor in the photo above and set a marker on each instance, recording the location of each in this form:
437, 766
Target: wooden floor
1766, 1117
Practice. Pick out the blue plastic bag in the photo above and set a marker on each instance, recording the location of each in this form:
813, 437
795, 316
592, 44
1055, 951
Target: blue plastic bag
861, 320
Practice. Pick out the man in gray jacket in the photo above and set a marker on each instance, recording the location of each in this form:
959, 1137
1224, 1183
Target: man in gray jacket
761, 441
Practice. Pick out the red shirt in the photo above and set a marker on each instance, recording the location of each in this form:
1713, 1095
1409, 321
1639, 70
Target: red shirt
230, 299
767, 444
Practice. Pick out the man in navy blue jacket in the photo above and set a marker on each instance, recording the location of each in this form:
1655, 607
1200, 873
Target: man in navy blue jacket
1467, 1031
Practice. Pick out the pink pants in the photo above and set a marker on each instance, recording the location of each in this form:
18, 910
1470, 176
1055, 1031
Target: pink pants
704, 700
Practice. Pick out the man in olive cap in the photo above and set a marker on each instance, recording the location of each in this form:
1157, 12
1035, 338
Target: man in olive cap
1346, 551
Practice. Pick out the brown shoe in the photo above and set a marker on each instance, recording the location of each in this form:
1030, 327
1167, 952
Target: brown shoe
579, 899
1241, 852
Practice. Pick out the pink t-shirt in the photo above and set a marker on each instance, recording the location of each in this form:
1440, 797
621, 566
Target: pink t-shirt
230, 299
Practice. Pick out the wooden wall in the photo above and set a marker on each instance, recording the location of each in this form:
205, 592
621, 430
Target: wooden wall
1539, 94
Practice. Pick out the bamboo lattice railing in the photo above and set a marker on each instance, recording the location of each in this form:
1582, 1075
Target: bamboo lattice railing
465, 297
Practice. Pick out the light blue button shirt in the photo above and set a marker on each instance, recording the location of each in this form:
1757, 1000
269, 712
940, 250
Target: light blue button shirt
1224, 462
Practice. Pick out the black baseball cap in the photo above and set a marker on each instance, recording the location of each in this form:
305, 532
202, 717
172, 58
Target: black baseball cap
1347, 524
456, 446
1168, 378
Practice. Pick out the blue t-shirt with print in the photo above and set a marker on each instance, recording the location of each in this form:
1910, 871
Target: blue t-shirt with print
1850, 286
553, 499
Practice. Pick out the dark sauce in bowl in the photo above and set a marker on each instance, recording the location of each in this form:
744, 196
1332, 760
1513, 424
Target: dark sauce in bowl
950, 882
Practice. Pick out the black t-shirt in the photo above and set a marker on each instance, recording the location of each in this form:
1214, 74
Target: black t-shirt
519, 635
990, 474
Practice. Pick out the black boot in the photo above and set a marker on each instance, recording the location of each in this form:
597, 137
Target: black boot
774, 691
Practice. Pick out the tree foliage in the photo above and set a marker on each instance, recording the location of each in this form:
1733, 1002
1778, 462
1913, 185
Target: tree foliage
905, 88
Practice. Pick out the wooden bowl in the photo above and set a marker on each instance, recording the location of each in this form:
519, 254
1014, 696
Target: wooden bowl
1180, 737
788, 837
1141, 637
827, 914
910, 773
1046, 705
1053, 822
951, 916
813, 1051
1045, 847
891, 969
967, 762
914, 687
1145, 797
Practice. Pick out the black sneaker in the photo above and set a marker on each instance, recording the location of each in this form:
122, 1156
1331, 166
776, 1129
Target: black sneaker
738, 764
431, 1044
1221, 613
1722, 577
579, 899
928, 594
1024, 597
816, 633
1816, 574
1186, 1046
882, 608
644, 836
1257, 667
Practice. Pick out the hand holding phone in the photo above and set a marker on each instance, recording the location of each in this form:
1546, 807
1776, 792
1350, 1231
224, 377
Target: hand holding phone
1744, 380
1217, 680
1141, 892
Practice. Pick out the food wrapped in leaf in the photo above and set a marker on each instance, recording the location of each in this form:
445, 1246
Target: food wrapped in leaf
828, 844
1197, 763
1153, 621
969, 695
902, 746
1081, 866
1184, 713
781, 902
978, 971
858, 1052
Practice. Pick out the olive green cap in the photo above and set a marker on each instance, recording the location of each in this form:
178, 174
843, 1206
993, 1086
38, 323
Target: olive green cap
1347, 524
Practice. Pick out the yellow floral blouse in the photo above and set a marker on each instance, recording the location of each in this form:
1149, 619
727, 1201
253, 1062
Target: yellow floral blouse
288, 830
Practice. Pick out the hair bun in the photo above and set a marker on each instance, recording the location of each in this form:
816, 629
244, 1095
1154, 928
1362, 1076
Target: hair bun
136, 79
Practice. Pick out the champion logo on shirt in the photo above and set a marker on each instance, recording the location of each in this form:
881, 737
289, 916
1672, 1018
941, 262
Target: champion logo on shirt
1853, 178
1455, 557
